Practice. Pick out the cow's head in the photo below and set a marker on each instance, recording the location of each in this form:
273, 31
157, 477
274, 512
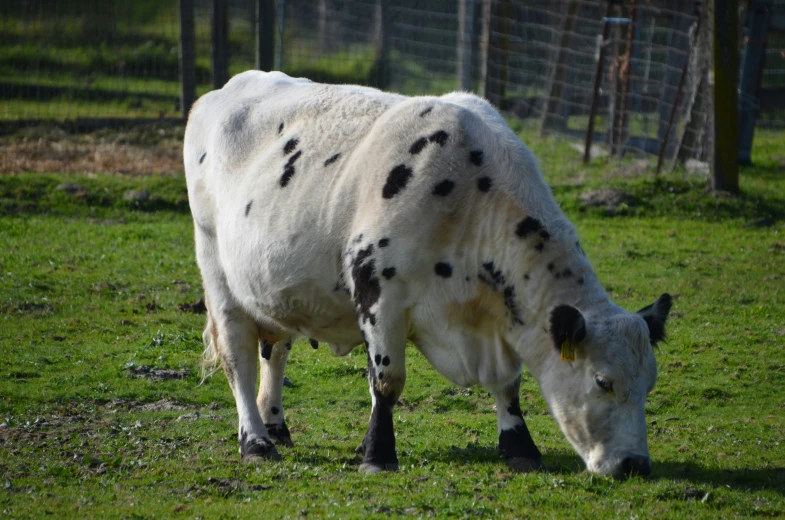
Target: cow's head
602, 368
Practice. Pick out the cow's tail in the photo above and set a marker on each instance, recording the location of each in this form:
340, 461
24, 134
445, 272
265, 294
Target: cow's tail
212, 360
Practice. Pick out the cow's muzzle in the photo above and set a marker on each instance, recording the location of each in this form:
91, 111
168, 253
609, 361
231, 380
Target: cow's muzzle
631, 466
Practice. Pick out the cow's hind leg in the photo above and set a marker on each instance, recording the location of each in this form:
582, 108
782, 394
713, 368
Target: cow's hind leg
233, 337
515, 443
272, 361
386, 343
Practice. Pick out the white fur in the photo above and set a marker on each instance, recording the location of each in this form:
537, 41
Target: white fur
278, 266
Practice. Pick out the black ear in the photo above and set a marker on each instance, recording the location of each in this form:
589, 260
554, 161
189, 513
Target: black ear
567, 323
655, 316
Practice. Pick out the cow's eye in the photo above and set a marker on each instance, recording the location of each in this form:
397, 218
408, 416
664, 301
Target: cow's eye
604, 383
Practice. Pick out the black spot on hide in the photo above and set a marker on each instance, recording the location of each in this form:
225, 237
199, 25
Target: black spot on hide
332, 159
314, 343
388, 272
443, 269
509, 302
418, 146
267, 350
280, 128
366, 285
358, 239
426, 112
396, 181
551, 266
540, 246
386, 360
439, 137
545, 235
378, 359
274, 410
248, 208
580, 280
497, 278
289, 168
384, 242
484, 184
201, 159
381, 375
475, 156
443, 188
528, 225
290, 145
567, 272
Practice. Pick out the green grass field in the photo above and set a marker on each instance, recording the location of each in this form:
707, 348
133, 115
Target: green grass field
102, 414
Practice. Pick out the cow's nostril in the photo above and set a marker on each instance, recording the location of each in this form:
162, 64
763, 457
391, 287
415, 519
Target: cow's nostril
636, 465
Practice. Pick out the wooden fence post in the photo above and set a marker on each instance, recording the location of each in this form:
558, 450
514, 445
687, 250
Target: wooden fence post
752, 72
187, 57
220, 46
465, 37
560, 71
264, 27
380, 71
725, 165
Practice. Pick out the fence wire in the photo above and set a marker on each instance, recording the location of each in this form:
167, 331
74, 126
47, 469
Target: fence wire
536, 60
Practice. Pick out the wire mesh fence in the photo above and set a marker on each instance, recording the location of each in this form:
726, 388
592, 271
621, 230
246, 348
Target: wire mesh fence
636, 72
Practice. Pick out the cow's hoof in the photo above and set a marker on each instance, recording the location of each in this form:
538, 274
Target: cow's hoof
372, 467
260, 450
524, 465
279, 434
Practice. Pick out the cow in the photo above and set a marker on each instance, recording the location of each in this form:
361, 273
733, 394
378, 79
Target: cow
352, 216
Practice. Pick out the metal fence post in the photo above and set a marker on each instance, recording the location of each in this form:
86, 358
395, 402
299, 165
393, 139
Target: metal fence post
465, 37
187, 57
380, 72
725, 164
606, 31
558, 79
264, 28
220, 46
752, 71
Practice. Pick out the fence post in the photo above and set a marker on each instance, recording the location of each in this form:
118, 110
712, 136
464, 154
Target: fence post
465, 37
677, 53
496, 27
264, 27
725, 165
558, 79
380, 71
485, 46
280, 21
754, 56
595, 98
187, 57
220, 47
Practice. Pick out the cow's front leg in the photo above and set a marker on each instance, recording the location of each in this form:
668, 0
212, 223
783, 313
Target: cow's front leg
386, 343
235, 337
272, 362
515, 443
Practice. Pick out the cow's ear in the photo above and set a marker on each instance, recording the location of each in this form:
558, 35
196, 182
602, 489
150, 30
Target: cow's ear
568, 328
655, 316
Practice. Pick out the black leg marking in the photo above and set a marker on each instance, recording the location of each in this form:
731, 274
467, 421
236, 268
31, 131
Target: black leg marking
332, 159
367, 289
443, 188
439, 137
484, 184
384, 242
279, 434
396, 181
201, 159
426, 111
290, 145
388, 272
267, 350
314, 343
475, 156
274, 410
248, 208
528, 225
443, 269
418, 146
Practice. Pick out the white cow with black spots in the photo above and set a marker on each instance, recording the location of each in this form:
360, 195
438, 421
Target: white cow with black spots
349, 215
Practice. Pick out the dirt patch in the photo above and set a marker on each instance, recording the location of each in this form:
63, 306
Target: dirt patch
143, 151
195, 307
155, 374
610, 199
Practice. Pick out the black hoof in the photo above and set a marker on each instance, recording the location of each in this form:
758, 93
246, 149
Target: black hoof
524, 465
259, 450
279, 434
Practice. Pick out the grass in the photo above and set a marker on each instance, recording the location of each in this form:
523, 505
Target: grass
90, 291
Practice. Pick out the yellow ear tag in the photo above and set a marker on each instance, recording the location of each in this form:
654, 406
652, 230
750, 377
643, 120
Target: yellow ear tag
568, 351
